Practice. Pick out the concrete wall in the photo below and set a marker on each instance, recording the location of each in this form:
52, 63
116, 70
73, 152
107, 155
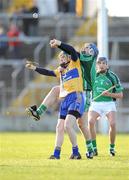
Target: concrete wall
48, 123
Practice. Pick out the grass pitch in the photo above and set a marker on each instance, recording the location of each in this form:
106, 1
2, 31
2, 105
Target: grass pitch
24, 156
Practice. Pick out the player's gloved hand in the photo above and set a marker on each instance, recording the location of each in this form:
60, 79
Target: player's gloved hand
30, 65
54, 43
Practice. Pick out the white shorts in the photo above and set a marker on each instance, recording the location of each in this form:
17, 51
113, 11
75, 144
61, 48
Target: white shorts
103, 108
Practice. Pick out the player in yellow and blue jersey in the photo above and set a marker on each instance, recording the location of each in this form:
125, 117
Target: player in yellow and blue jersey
72, 100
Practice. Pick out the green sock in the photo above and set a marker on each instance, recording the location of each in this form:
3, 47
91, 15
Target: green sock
41, 109
89, 145
94, 144
112, 146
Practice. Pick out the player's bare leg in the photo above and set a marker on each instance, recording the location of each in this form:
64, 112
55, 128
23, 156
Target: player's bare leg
92, 117
69, 127
82, 123
112, 131
59, 139
50, 99
59, 133
52, 96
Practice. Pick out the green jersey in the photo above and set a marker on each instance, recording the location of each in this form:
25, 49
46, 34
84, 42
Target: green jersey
104, 82
88, 64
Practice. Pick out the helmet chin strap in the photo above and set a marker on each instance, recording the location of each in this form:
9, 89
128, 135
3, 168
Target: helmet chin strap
64, 65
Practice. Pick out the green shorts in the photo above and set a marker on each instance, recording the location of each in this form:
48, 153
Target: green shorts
87, 94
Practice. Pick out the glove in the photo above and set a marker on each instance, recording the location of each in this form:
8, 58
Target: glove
30, 65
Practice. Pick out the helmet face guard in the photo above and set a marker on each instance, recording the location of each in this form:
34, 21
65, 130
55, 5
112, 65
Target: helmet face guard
64, 65
90, 49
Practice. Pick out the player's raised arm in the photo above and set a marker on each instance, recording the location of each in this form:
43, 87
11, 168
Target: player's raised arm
65, 47
40, 70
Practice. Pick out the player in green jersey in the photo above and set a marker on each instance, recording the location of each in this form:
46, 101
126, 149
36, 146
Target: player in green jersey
106, 89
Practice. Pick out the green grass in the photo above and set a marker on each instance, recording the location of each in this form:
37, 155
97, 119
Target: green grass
24, 156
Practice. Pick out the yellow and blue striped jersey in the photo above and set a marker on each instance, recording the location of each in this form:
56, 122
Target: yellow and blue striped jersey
70, 79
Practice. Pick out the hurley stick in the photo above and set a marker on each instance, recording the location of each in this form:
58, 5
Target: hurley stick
102, 93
